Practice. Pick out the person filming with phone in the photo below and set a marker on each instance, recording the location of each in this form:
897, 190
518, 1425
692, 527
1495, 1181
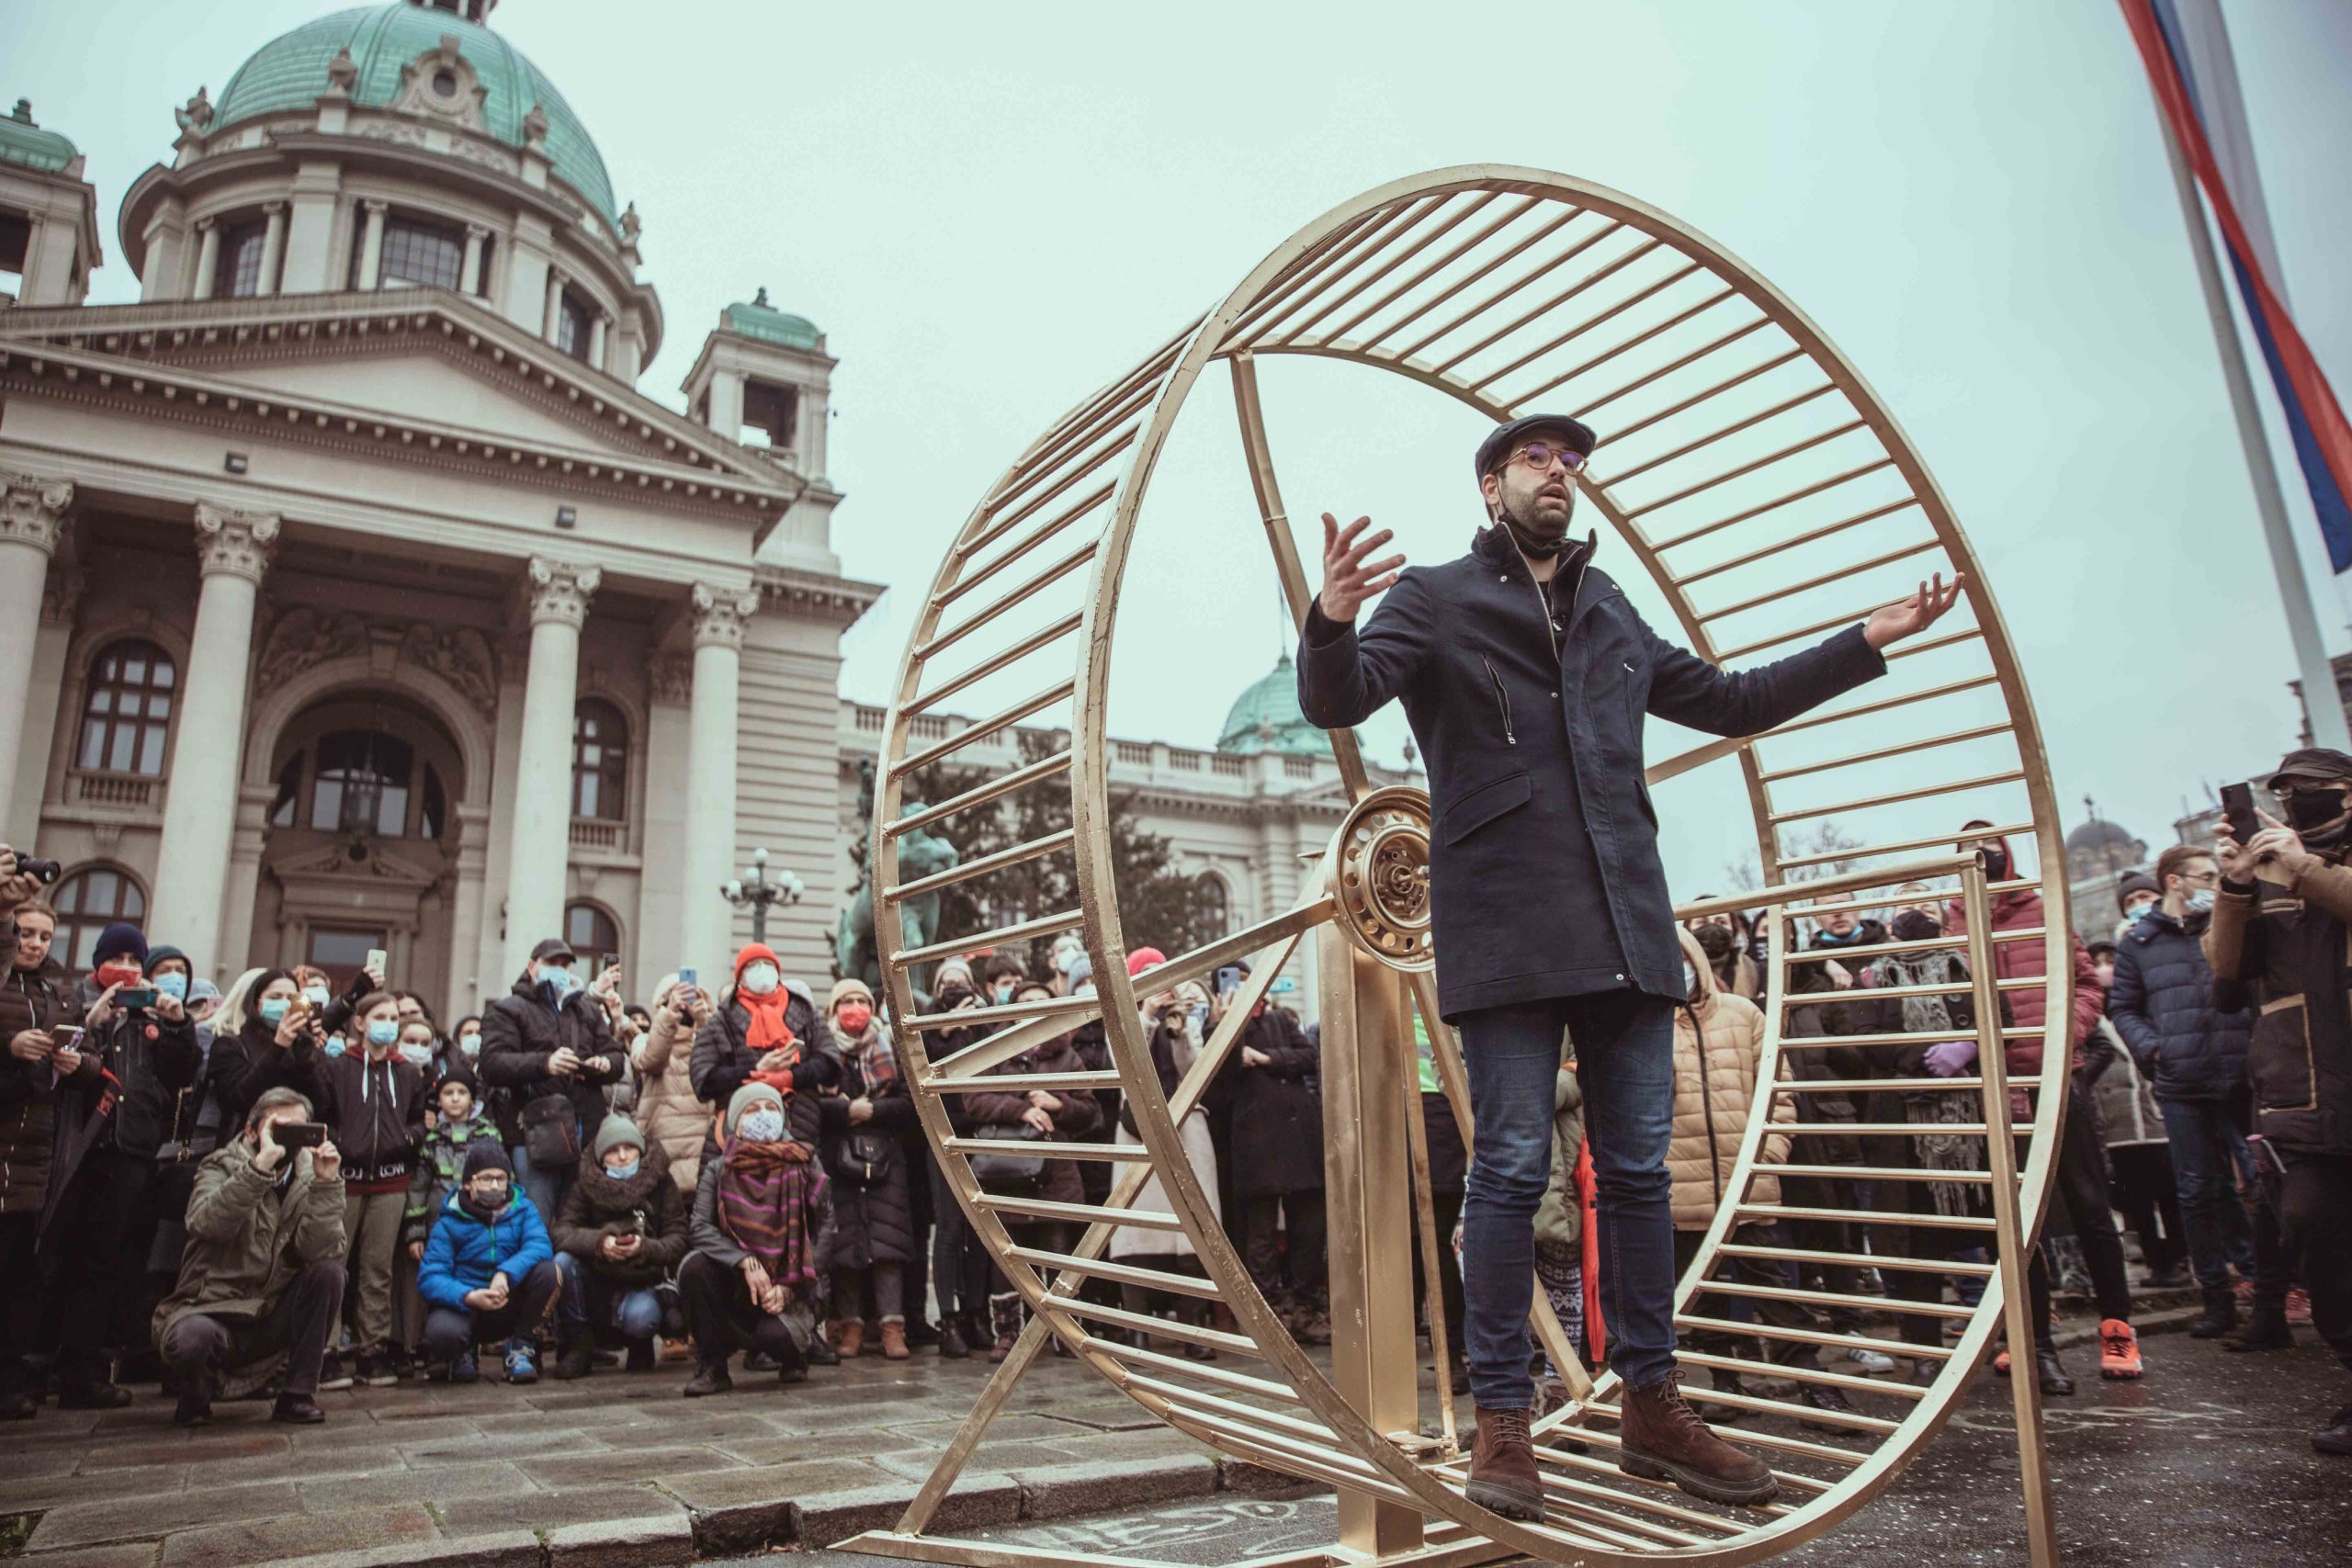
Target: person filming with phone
261, 1283
2280, 926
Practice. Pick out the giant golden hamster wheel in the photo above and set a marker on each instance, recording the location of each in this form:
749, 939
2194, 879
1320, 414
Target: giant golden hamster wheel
1771, 497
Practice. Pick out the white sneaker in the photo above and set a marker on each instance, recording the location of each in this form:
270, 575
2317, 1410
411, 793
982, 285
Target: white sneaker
1869, 1360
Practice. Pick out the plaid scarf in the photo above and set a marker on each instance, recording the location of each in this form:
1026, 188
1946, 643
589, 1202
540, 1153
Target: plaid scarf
874, 1056
1930, 1109
770, 1204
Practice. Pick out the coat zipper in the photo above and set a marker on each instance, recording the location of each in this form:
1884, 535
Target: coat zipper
1503, 694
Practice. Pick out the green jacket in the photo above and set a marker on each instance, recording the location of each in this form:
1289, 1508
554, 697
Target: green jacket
439, 1170
247, 1238
1559, 1218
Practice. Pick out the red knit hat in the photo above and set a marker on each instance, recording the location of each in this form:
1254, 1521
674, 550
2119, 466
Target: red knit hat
1143, 958
754, 951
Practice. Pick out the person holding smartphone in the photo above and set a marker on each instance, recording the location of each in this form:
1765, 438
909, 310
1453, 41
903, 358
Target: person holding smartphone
42, 1043
261, 1283
2281, 922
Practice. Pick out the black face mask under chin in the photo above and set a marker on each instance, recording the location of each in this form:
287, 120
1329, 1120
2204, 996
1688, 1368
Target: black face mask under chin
1536, 546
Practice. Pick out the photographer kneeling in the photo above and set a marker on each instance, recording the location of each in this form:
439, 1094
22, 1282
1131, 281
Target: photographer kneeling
261, 1283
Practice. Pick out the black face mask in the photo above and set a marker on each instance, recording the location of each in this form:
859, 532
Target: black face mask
1914, 925
1996, 863
1535, 545
2316, 815
1714, 942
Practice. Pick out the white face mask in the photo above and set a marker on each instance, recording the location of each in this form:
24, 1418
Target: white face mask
416, 1055
761, 979
470, 1044
1689, 979
765, 1125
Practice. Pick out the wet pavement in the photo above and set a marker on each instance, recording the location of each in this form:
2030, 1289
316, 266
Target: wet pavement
2207, 1462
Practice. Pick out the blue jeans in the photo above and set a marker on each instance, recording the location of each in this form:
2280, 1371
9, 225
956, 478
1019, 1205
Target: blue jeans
546, 1188
636, 1311
2210, 1157
1625, 1064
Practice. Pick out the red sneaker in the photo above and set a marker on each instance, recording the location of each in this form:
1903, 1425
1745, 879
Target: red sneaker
2001, 1363
2299, 1305
2118, 1350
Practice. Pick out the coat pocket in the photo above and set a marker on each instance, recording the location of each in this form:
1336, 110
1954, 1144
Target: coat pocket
1484, 804
1502, 699
2278, 1061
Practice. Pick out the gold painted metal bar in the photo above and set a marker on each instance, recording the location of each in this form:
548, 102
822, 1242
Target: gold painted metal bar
980, 794
1974, 835
1573, 1498
1460, 216
1867, 514
1274, 1421
1601, 274
1004, 719
1819, 1337
1830, 1298
1648, 291
1986, 781
1118, 410
1638, 470
1873, 1172
1019, 854
1763, 1406
1888, 1129
1046, 497
1124, 1274
1925, 944
1836, 574
1091, 1079
1526, 205
918, 1548
1283, 294
1697, 756
975, 1426
1078, 1008
1907, 844
1800, 493
996, 661
1886, 705
1026, 588
1077, 508
1773, 1440
1534, 274
1638, 1488
1417, 1148
1016, 550
1160, 1327
1341, 1470
2010, 1245
1957, 736
1850, 881
1867, 1086
1808, 1042
1930, 644
1044, 925
1478, 274
1684, 362
1684, 405
1608, 1439
1309, 284
1129, 1154
1819, 438
1834, 622
1851, 1260
1843, 1382
1655, 330
1898, 993
1203, 1372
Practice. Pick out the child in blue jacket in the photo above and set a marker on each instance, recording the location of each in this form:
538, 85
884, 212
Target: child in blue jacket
488, 1273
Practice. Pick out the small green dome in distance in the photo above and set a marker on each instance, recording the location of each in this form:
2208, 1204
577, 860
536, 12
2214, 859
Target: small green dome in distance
290, 73
1267, 718
762, 320
24, 143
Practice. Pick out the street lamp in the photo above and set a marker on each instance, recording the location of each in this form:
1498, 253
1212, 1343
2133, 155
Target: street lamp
756, 890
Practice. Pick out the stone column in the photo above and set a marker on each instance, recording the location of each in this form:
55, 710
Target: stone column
273, 248
201, 799
597, 343
552, 323
60, 601
720, 617
470, 271
371, 247
32, 519
208, 257
246, 842
465, 987
542, 838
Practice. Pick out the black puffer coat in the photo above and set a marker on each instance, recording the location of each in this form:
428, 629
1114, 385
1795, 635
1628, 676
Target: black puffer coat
723, 1057
2161, 1003
1081, 1113
872, 1199
647, 1205
520, 1031
244, 1065
28, 1000
1544, 876
1277, 1114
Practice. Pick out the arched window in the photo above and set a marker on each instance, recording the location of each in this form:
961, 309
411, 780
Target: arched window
596, 939
127, 711
1215, 905
86, 903
361, 782
243, 245
599, 762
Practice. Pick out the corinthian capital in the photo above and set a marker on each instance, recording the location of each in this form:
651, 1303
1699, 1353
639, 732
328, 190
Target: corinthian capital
237, 542
561, 591
32, 509
720, 615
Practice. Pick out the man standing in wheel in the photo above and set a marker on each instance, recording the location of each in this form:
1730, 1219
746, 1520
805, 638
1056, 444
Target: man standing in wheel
1525, 674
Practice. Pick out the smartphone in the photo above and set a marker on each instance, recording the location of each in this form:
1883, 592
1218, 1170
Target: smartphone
2237, 810
686, 977
133, 998
68, 1037
378, 961
300, 1134
1228, 980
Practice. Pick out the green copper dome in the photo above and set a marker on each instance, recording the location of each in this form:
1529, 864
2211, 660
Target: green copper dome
22, 141
290, 72
762, 320
1267, 717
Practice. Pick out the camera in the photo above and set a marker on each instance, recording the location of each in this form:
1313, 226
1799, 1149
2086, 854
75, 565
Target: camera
44, 872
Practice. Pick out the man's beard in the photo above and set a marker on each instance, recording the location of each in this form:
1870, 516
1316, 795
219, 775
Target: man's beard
1537, 535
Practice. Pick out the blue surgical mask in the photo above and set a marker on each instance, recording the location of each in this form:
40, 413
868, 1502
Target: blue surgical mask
470, 1044
559, 981
417, 1055
1199, 1014
383, 1032
334, 1045
623, 1172
273, 1009
2200, 901
174, 985
318, 995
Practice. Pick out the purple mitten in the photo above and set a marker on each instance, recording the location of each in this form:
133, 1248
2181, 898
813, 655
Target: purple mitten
1950, 1058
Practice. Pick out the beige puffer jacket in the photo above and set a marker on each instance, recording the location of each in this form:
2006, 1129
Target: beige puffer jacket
667, 1110
1709, 1125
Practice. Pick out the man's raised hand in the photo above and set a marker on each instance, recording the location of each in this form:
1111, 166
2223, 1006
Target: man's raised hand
1348, 578
1893, 623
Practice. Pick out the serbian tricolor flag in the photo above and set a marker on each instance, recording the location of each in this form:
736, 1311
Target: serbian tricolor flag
2187, 54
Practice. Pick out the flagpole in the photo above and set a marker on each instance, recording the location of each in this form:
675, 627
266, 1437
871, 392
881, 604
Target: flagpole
2322, 707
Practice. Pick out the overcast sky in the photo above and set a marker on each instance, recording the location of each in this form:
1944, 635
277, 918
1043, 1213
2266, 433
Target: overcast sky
991, 209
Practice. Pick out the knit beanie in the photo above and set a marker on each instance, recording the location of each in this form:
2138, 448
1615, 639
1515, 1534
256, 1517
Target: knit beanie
845, 987
486, 1153
743, 1098
120, 940
2134, 881
1080, 968
1143, 958
618, 1130
753, 952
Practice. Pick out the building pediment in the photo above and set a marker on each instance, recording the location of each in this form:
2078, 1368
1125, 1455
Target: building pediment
329, 868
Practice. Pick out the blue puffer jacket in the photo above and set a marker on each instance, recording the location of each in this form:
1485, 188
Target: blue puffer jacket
462, 1253
2163, 1005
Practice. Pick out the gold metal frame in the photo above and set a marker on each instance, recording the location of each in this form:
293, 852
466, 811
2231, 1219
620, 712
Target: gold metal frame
1748, 429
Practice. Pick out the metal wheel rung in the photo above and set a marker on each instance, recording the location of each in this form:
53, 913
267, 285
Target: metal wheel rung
1842, 1381
1277, 1453
1044, 925
1037, 582
1914, 647
1956, 738
1926, 945
1563, 1460
1821, 1337
1872, 1216
1159, 1327
1002, 784
1133, 1153
987, 667
1301, 329
1124, 1273
1867, 514
1684, 405
1035, 849
2014, 829
1896, 993
1763, 1407
1870, 880
1658, 373
1886, 705
1887, 1129
1742, 470
1923, 1037
1898, 798
1854, 1259
1573, 1498
1085, 1214
1203, 1372
1800, 493
1873, 1172
1638, 470
1827, 1298
1836, 574
1275, 1421
1601, 274
1081, 1008
1020, 547
1779, 1444
1104, 1078
1868, 1086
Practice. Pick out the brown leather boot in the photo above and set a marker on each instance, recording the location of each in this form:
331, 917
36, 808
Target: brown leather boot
849, 1336
894, 1338
1502, 1466
1663, 1439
